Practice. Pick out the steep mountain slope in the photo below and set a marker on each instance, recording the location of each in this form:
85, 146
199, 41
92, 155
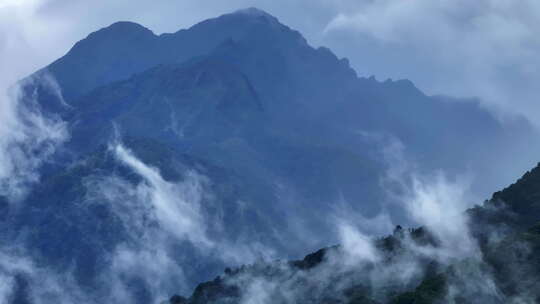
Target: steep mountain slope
239, 123
104, 56
309, 94
517, 206
124, 48
204, 101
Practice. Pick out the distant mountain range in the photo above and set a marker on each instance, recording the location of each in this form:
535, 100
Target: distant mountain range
248, 139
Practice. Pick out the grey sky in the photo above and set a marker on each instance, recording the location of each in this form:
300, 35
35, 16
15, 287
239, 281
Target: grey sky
484, 48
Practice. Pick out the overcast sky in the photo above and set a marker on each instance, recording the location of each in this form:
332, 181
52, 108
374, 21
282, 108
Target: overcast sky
484, 48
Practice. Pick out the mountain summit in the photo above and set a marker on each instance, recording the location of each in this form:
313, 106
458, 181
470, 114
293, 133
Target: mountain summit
222, 144
125, 48
255, 12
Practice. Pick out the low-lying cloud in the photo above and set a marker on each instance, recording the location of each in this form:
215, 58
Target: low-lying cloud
45, 285
28, 136
482, 48
176, 206
449, 248
160, 215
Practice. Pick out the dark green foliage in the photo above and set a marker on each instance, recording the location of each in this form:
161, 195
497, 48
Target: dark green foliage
313, 259
176, 299
359, 295
521, 198
213, 291
431, 290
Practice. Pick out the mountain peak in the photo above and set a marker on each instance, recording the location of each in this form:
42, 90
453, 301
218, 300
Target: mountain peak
121, 31
124, 27
253, 11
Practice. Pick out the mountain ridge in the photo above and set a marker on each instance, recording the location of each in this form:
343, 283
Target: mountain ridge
265, 135
135, 36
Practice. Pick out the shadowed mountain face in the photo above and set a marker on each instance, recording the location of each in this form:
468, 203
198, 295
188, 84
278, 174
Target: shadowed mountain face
280, 137
204, 101
307, 93
125, 48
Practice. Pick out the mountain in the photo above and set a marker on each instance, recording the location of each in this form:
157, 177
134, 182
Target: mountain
506, 262
311, 101
224, 144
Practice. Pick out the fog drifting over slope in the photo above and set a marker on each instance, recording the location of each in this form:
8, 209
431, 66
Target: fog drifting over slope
34, 32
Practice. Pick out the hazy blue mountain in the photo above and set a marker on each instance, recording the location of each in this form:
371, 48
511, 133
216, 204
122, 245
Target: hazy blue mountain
308, 94
307, 90
282, 131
